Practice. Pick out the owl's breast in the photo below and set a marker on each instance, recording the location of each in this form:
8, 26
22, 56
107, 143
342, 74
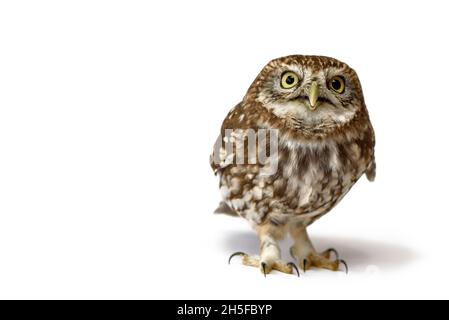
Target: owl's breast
309, 180
316, 177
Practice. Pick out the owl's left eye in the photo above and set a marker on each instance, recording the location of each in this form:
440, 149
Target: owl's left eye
337, 84
289, 80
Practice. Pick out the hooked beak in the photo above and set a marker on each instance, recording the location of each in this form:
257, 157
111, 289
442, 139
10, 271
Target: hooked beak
313, 95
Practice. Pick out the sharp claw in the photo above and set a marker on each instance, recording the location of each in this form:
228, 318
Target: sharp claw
337, 256
304, 263
263, 267
293, 266
343, 262
238, 253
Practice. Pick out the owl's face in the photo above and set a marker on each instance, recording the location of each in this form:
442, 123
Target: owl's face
310, 92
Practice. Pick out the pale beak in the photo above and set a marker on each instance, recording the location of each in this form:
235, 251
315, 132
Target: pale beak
313, 95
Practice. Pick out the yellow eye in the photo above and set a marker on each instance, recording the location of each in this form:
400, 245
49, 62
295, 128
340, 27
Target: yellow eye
289, 80
337, 84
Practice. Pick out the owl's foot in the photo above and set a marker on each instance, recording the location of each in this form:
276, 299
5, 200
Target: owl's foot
327, 253
265, 265
321, 260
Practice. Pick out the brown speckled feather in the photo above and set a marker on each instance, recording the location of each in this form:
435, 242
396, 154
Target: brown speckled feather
321, 153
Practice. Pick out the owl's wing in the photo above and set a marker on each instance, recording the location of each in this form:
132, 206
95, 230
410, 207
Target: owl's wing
222, 157
370, 171
219, 160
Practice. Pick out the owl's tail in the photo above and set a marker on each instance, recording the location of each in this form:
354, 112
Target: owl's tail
223, 208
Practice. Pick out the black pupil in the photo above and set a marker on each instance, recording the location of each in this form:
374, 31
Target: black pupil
336, 84
290, 80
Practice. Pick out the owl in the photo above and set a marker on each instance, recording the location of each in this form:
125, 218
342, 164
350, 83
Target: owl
289, 152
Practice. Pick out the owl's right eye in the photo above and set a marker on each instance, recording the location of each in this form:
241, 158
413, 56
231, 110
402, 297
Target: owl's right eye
289, 80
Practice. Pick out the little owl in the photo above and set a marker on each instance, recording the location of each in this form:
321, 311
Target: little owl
309, 113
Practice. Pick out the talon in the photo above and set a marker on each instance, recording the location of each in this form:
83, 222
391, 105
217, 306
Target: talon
304, 263
238, 253
344, 263
263, 267
337, 256
293, 266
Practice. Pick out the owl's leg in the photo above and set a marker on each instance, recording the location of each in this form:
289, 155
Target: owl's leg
270, 253
308, 257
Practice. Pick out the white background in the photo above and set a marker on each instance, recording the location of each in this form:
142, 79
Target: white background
108, 113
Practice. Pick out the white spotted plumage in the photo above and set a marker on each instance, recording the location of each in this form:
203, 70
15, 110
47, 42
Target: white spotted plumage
325, 144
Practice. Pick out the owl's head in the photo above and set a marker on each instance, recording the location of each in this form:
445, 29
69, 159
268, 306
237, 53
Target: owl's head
312, 93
